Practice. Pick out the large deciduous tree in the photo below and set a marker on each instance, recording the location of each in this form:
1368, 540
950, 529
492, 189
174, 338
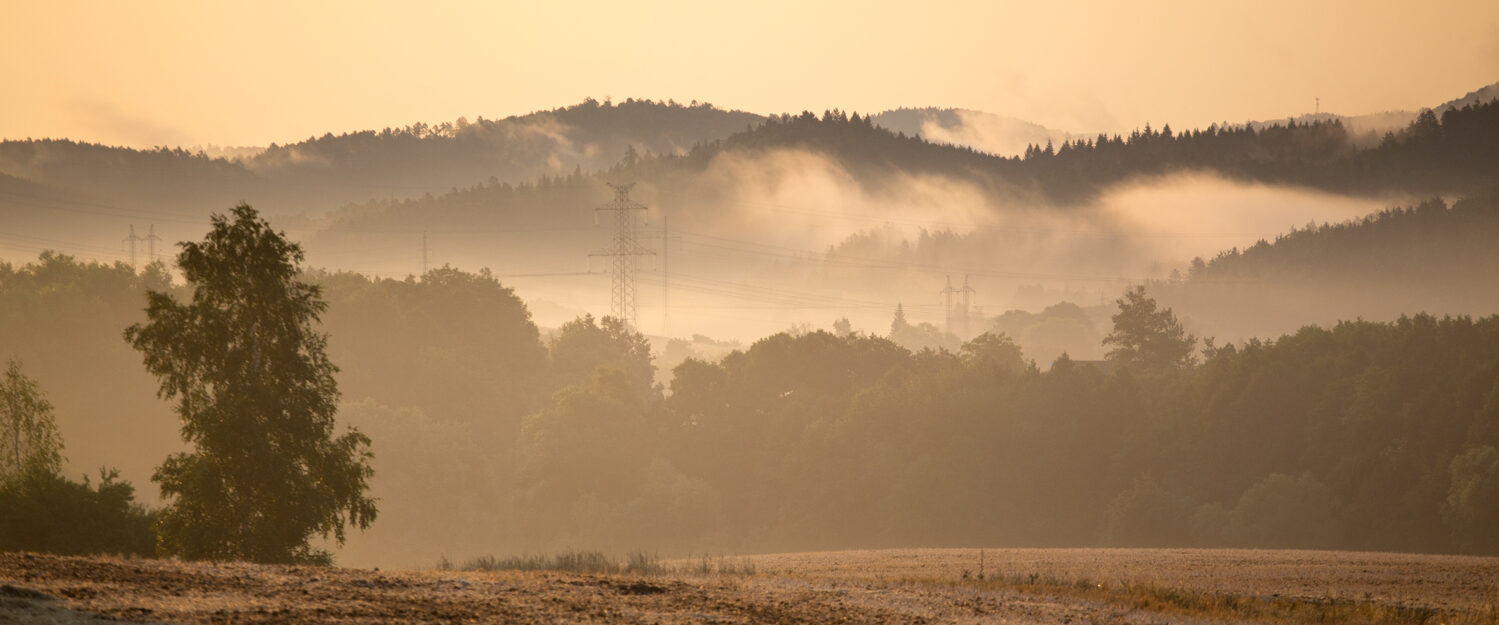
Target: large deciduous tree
1148, 337
256, 397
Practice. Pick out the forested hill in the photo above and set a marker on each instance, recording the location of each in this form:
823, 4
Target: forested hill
410, 161
701, 165
1456, 153
82, 197
1427, 257
324, 172
1446, 152
1451, 155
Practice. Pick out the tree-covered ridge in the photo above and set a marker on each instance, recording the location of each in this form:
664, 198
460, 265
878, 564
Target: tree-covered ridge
1402, 243
1455, 153
321, 173
1430, 256
421, 158
163, 180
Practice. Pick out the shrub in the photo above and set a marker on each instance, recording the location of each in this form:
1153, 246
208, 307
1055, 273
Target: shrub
43, 511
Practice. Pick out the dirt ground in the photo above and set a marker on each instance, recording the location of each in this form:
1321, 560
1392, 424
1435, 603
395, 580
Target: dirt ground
891, 586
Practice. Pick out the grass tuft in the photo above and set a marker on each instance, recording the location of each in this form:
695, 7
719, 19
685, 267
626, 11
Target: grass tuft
568, 561
708, 565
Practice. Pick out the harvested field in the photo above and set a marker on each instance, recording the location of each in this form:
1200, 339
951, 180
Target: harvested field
890, 586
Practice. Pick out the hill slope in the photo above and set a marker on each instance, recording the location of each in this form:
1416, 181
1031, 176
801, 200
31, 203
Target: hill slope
1402, 260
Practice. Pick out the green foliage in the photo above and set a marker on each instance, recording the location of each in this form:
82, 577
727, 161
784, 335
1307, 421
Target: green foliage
460, 346
1283, 511
29, 442
43, 511
62, 318
1146, 337
1472, 506
256, 397
583, 456
995, 352
1062, 328
583, 345
1146, 515
916, 337
1330, 438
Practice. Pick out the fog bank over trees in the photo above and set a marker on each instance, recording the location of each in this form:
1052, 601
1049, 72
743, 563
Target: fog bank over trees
1242, 335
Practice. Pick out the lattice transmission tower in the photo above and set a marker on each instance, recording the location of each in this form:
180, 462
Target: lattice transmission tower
958, 303
624, 251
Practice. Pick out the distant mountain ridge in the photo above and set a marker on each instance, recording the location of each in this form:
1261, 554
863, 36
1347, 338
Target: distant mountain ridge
1370, 128
99, 191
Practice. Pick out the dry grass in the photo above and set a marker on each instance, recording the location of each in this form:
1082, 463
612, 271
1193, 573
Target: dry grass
1263, 586
1166, 600
896, 586
594, 562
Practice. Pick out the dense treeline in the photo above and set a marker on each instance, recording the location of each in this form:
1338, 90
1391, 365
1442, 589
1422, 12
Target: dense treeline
452, 359
1362, 436
490, 435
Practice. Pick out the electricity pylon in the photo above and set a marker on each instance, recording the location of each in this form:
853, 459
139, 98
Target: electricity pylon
624, 251
151, 240
957, 311
131, 241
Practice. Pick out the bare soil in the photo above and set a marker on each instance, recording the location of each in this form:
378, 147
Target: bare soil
892, 586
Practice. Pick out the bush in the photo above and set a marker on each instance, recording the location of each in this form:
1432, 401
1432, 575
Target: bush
1147, 515
1472, 506
43, 511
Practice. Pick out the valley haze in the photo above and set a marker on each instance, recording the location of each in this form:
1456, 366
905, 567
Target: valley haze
971, 312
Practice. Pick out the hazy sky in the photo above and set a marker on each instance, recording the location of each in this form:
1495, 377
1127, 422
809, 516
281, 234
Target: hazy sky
150, 72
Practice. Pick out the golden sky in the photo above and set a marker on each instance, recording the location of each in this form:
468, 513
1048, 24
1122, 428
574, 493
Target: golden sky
150, 72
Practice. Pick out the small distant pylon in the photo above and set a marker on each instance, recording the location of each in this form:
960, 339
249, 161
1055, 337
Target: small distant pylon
624, 251
131, 241
958, 302
151, 240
